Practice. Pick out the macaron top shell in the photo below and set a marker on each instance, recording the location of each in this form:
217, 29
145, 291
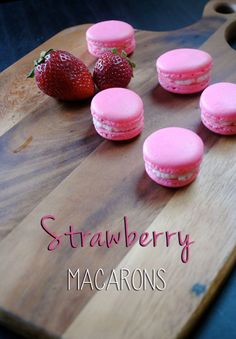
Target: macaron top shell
173, 148
117, 105
107, 31
219, 100
183, 60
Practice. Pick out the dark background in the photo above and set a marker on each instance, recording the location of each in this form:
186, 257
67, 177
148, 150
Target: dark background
25, 24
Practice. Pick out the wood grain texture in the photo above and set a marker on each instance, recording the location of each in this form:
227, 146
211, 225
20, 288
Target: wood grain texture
164, 314
52, 158
62, 134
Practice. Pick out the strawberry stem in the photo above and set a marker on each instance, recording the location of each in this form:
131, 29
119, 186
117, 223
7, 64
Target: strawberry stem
114, 50
39, 61
31, 73
124, 55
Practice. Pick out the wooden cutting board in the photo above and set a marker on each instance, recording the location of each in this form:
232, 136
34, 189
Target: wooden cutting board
53, 162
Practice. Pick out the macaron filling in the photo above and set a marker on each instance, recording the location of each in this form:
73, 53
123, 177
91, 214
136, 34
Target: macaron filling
159, 174
97, 47
187, 81
138, 124
112, 44
212, 121
193, 80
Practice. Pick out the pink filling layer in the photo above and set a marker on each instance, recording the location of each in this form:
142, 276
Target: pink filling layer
110, 127
97, 48
217, 122
160, 174
186, 80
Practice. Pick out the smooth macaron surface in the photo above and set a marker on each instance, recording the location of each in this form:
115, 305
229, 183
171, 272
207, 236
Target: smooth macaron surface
111, 30
183, 61
219, 100
175, 151
184, 70
117, 113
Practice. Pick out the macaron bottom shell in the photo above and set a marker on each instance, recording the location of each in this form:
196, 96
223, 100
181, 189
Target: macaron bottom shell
173, 182
217, 126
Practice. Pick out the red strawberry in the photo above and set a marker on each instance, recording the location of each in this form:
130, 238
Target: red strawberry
113, 70
61, 75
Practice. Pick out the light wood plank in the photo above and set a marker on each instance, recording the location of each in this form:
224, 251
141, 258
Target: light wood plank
206, 211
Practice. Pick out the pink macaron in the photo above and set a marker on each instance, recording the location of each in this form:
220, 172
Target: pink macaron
173, 156
218, 108
117, 113
184, 70
107, 35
